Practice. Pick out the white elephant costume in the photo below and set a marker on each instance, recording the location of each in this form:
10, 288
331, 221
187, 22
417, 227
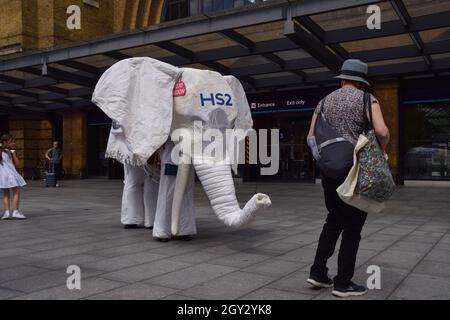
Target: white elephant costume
163, 226
140, 192
141, 96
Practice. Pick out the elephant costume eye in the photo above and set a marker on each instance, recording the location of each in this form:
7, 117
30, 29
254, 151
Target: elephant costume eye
116, 128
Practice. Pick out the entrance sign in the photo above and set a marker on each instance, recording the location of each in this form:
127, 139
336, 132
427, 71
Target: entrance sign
283, 102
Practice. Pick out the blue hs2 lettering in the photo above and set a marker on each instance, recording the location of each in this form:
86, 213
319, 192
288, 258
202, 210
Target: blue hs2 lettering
218, 99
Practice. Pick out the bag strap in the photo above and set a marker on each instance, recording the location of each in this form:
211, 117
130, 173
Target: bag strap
322, 103
328, 142
368, 111
368, 104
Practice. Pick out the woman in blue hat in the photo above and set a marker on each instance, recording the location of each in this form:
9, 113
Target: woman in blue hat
343, 110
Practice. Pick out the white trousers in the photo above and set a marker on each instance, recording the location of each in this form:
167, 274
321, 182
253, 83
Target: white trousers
140, 195
163, 220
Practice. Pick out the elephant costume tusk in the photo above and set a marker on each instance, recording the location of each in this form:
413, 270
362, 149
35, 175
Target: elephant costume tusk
219, 187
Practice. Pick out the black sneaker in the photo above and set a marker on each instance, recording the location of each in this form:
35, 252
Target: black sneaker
353, 290
164, 240
131, 226
320, 282
184, 238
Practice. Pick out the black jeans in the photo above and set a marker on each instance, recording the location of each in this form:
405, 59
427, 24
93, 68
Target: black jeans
58, 171
344, 219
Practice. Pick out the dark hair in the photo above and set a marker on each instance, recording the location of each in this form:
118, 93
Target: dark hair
4, 138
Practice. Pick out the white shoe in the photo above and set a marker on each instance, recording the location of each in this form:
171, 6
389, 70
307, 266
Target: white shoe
7, 215
17, 215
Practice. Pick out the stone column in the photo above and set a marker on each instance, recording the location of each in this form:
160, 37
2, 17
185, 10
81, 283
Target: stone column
74, 142
387, 92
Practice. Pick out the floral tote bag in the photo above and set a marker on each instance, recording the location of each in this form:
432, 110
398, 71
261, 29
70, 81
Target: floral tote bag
375, 180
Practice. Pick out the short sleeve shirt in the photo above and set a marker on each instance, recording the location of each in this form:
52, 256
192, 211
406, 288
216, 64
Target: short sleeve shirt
56, 154
344, 111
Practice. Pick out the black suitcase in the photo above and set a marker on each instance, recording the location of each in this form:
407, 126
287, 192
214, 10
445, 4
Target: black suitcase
50, 176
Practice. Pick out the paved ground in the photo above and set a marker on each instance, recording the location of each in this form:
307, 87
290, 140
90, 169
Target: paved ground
78, 225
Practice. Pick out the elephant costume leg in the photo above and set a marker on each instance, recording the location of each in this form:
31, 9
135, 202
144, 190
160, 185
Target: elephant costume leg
133, 200
150, 201
163, 219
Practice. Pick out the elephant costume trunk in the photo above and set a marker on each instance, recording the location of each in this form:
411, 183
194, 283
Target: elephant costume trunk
219, 187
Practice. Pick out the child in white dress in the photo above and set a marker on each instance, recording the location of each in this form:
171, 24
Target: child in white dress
10, 179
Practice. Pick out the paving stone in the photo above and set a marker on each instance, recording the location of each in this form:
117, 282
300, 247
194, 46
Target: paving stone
145, 271
228, 287
127, 249
8, 294
88, 287
196, 257
137, 291
300, 255
44, 280
117, 263
434, 268
240, 260
439, 255
19, 272
191, 276
397, 259
270, 258
295, 282
274, 267
176, 297
418, 247
15, 261
273, 294
9, 252
64, 262
424, 287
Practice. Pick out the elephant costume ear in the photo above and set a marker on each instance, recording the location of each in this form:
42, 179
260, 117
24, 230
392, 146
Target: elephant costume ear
244, 119
137, 94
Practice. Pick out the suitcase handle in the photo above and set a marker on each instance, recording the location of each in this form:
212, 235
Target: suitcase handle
51, 167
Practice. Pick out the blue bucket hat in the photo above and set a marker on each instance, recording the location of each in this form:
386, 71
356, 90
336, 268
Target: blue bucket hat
354, 70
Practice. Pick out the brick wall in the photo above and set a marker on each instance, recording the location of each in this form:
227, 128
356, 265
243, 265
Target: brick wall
33, 138
36, 24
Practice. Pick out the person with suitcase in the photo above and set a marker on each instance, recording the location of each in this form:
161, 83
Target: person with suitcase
10, 179
54, 158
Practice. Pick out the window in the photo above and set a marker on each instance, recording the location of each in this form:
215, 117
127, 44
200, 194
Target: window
176, 9
427, 132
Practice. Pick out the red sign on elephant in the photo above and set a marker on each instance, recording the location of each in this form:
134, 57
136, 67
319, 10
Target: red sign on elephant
180, 89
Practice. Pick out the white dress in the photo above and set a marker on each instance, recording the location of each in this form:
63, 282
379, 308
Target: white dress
9, 177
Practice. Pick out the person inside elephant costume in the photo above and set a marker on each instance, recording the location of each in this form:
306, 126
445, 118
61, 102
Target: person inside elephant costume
140, 190
153, 101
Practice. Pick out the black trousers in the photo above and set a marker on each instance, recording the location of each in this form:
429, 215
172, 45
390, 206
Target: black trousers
342, 219
58, 171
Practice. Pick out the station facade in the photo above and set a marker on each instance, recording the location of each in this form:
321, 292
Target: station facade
415, 103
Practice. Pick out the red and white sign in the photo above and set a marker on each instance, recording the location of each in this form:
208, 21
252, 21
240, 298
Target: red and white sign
180, 89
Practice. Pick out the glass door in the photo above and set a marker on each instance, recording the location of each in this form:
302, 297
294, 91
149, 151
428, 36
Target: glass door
427, 145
